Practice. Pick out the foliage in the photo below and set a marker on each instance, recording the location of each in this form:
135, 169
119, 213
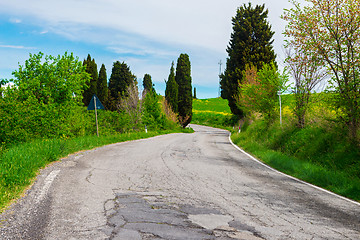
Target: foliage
308, 72
58, 80
331, 29
194, 96
102, 87
147, 83
259, 93
109, 122
169, 113
131, 105
183, 79
315, 154
44, 100
91, 87
250, 43
171, 91
121, 78
152, 116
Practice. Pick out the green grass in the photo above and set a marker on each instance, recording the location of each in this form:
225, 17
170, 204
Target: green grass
313, 154
213, 112
20, 164
212, 104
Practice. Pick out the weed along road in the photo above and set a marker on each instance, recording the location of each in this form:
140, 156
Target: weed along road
177, 186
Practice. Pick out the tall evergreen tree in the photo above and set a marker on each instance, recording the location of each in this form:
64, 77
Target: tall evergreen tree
91, 87
250, 43
120, 79
171, 91
102, 86
147, 83
183, 79
194, 93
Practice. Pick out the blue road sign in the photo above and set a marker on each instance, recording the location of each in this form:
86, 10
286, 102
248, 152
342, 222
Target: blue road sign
92, 103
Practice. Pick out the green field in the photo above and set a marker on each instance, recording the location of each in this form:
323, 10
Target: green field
213, 112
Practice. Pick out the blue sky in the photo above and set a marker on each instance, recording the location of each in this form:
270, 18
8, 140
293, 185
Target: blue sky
147, 35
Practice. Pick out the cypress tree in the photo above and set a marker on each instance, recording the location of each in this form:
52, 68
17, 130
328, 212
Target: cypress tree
183, 79
120, 79
147, 83
102, 86
250, 43
91, 87
194, 93
171, 91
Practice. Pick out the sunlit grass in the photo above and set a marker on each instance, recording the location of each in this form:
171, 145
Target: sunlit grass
312, 155
213, 112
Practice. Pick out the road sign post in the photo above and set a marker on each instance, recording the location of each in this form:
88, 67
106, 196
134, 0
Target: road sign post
94, 105
97, 126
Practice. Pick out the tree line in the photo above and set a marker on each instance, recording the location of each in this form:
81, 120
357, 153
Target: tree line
178, 91
48, 98
322, 46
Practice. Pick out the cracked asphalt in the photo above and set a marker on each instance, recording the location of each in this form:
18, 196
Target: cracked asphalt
176, 186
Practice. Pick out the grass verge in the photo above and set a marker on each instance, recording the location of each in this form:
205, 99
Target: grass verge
306, 155
20, 164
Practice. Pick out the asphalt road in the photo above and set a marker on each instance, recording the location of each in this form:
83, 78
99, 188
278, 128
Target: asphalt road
177, 186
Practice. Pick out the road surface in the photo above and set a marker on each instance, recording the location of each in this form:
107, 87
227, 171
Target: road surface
177, 186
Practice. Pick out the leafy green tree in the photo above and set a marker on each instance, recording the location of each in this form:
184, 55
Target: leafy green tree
2, 83
45, 100
183, 79
147, 83
151, 112
91, 87
195, 93
171, 91
331, 29
121, 78
250, 43
259, 93
102, 85
58, 80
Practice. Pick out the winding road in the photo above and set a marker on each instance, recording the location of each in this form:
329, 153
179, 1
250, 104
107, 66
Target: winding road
176, 186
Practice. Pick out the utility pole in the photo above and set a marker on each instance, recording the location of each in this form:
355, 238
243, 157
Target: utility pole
220, 63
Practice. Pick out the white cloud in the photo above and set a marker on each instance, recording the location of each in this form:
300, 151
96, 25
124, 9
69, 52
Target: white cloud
16, 47
185, 22
15, 20
155, 31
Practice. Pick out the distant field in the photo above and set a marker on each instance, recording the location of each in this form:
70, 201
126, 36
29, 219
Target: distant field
217, 105
213, 112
